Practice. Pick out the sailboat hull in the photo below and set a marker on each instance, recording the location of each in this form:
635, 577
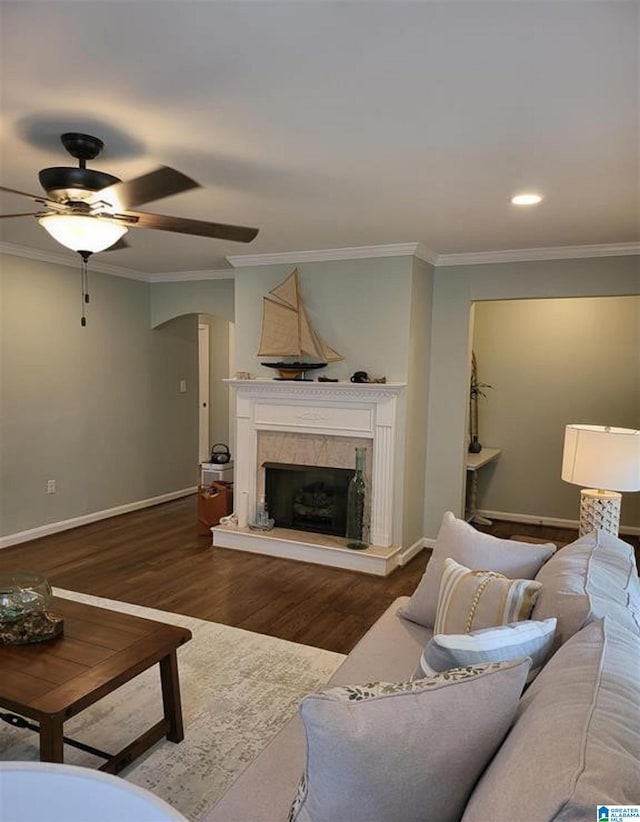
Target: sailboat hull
293, 370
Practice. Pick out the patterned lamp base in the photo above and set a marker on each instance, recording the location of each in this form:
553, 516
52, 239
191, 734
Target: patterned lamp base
599, 510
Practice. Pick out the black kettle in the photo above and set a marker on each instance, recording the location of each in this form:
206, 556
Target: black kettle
220, 453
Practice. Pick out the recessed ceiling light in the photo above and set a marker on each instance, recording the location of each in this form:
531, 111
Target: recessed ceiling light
526, 199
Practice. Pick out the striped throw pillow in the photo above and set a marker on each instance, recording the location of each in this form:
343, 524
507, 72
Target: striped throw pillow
469, 600
505, 642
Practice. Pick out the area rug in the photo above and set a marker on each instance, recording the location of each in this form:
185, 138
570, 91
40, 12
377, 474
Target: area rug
238, 689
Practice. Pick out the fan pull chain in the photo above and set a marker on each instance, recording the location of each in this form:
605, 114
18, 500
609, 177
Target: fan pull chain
84, 286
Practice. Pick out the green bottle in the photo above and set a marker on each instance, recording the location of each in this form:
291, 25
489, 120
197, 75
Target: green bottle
356, 499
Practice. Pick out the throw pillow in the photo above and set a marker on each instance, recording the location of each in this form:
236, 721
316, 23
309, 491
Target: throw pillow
385, 752
470, 599
505, 642
460, 541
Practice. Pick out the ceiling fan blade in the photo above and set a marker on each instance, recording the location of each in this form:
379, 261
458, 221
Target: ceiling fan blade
35, 197
220, 231
22, 214
128, 194
22, 193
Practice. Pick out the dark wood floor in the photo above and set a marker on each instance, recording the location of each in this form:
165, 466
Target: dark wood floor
154, 557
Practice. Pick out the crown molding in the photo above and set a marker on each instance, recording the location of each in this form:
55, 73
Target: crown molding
522, 255
183, 276
69, 259
332, 254
328, 254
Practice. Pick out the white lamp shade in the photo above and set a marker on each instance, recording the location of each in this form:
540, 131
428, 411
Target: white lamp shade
80, 232
598, 456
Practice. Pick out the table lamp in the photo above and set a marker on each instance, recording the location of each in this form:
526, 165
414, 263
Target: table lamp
608, 460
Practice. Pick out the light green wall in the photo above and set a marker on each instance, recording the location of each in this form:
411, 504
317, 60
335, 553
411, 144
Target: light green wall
213, 300
360, 307
169, 300
552, 362
98, 409
218, 371
455, 289
416, 401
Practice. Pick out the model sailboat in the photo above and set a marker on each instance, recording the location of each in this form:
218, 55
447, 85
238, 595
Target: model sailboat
287, 332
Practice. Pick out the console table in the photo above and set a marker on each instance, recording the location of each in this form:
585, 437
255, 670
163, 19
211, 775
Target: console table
474, 463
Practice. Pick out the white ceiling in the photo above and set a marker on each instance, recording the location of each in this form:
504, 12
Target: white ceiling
332, 124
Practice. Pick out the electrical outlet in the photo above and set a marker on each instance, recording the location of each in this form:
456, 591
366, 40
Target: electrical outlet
51, 486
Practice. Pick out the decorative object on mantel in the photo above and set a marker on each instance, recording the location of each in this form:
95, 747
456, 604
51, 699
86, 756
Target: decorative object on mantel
356, 500
475, 391
23, 616
362, 378
287, 332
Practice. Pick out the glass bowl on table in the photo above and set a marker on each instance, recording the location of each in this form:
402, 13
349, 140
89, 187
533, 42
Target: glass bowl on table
21, 594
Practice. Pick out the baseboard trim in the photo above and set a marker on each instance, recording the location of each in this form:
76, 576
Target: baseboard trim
552, 522
85, 519
409, 553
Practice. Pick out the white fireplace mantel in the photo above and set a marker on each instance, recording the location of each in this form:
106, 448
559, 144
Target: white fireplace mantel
333, 409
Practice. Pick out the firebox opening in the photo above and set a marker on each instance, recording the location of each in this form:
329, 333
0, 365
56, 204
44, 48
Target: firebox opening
308, 497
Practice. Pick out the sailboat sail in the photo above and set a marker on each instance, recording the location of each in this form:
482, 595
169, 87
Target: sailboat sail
286, 328
310, 343
330, 354
279, 330
287, 291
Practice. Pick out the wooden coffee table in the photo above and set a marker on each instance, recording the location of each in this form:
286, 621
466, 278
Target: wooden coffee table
52, 681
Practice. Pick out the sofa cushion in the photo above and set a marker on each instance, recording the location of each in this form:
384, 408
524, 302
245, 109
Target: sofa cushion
576, 739
385, 752
389, 650
593, 577
499, 644
460, 541
480, 599
263, 792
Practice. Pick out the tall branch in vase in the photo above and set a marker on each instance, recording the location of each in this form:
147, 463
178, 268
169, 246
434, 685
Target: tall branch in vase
476, 389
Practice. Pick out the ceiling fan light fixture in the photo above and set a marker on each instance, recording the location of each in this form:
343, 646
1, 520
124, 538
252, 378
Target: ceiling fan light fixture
81, 232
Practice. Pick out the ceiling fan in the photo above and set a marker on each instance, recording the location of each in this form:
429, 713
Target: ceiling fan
90, 206
89, 211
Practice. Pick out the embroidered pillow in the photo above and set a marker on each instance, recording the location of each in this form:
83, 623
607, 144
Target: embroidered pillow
505, 642
469, 600
460, 541
389, 751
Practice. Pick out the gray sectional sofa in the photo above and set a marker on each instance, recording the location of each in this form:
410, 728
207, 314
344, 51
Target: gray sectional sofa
573, 741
